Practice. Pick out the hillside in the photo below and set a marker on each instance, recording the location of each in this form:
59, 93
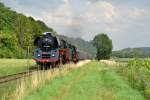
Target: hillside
17, 33
140, 52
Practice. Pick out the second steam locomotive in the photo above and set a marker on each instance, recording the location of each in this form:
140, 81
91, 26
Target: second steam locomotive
51, 51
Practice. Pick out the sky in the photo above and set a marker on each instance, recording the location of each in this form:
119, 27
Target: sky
127, 22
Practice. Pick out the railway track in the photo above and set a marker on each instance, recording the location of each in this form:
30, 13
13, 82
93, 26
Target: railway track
8, 78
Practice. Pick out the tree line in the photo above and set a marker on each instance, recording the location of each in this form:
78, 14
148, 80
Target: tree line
141, 52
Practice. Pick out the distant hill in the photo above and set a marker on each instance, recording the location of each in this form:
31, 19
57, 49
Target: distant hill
139, 52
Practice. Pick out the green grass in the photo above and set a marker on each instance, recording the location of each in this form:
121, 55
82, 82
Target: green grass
137, 72
6, 89
12, 66
93, 81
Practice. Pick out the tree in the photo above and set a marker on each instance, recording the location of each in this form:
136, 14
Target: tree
103, 45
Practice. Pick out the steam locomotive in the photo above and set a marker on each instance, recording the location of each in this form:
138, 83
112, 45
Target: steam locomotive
51, 51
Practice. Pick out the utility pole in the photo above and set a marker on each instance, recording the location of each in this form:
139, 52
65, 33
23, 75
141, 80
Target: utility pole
28, 63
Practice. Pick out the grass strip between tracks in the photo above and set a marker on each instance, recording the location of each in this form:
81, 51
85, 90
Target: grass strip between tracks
93, 81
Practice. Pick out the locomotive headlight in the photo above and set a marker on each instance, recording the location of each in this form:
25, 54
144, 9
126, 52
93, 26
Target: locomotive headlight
53, 55
38, 55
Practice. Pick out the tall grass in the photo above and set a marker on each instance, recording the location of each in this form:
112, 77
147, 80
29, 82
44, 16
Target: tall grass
12, 66
138, 75
38, 80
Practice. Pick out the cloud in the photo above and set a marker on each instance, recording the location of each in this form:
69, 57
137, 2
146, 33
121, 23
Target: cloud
137, 14
101, 11
59, 16
64, 16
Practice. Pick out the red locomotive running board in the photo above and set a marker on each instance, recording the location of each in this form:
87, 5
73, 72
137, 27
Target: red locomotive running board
46, 60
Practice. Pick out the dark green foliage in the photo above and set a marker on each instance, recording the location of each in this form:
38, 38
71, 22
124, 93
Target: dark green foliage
103, 45
142, 52
17, 33
9, 47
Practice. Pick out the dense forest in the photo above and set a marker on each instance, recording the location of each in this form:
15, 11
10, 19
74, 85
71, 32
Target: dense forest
17, 33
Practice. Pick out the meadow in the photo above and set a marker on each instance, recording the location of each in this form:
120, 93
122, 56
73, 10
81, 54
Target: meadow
17, 90
87, 80
92, 81
12, 66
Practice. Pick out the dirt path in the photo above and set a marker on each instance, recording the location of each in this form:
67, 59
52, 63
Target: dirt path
109, 62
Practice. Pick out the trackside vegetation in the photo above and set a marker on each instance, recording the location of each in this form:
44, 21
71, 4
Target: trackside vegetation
12, 66
137, 73
18, 89
93, 81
